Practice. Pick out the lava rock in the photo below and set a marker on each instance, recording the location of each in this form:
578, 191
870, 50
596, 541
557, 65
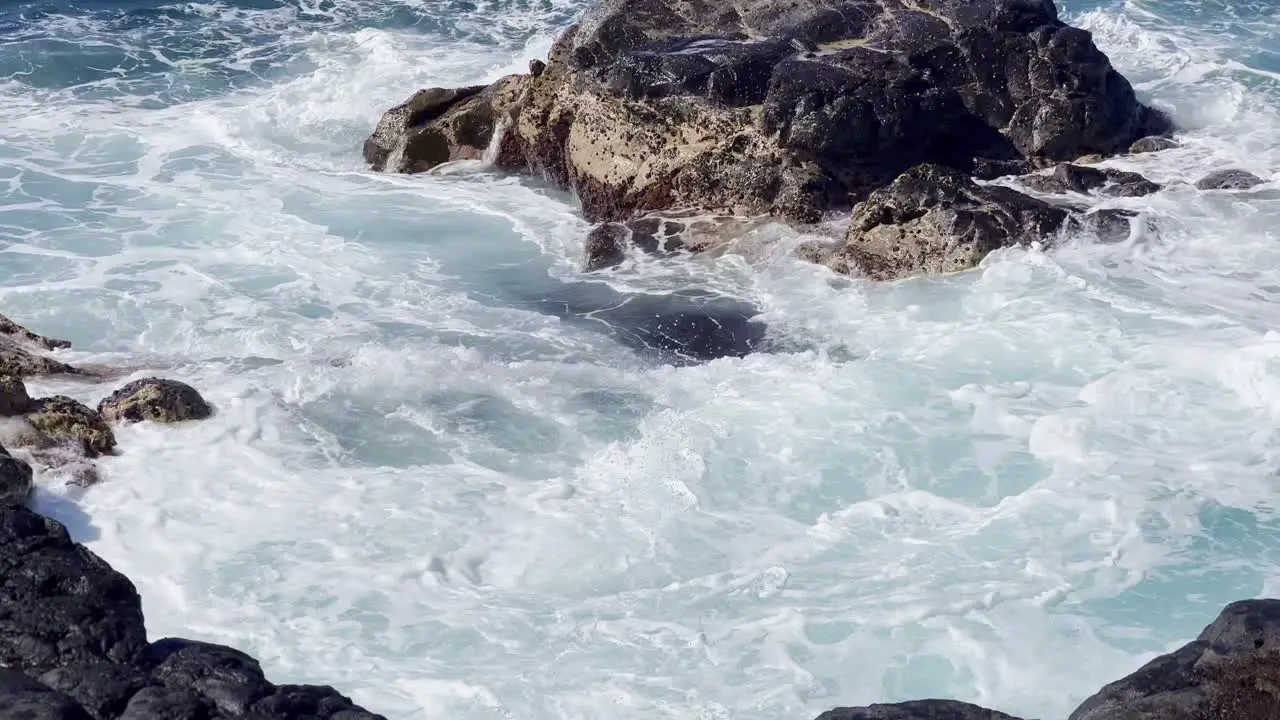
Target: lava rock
229, 679
1077, 178
606, 246
1232, 670
63, 417
102, 689
160, 703
934, 219
1229, 180
1151, 144
60, 604
916, 710
154, 399
13, 396
17, 360
16, 331
22, 698
787, 108
15, 480
308, 702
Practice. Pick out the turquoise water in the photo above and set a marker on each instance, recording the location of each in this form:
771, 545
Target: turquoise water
452, 478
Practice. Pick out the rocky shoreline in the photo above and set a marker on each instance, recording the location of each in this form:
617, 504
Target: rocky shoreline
899, 112
73, 643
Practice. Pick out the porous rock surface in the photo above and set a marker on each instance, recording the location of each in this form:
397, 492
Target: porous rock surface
20, 352
15, 480
154, 399
73, 646
936, 220
787, 108
63, 417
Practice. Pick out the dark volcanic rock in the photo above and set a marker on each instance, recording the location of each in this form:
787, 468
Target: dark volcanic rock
22, 698
1077, 178
154, 399
606, 246
227, 678
1151, 144
936, 220
63, 417
1229, 180
161, 703
13, 396
15, 480
59, 603
787, 108
1232, 670
103, 689
916, 710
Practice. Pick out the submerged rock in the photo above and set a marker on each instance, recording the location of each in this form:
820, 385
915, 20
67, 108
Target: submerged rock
154, 399
1152, 144
13, 396
779, 107
15, 480
936, 220
916, 710
1232, 670
63, 417
1076, 178
1229, 180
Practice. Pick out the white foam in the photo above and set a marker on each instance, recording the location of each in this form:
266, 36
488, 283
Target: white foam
423, 491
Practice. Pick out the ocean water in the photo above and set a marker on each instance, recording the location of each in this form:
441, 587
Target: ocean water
440, 481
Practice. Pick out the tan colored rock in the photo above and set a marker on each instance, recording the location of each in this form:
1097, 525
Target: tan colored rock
63, 417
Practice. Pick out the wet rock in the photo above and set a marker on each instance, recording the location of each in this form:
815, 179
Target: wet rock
1077, 178
229, 679
60, 456
936, 220
154, 399
536, 68
13, 396
309, 701
606, 246
155, 703
63, 417
18, 360
19, 333
787, 108
60, 604
1232, 670
1229, 180
1151, 144
441, 125
916, 710
22, 698
102, 689
15, 480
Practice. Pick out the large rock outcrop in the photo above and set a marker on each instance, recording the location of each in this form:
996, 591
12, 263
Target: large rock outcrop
788, 108
73, 646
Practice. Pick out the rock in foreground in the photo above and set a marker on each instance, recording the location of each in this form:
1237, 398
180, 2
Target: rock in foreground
154, 399
789, 108
916, 710
63, 417
73, 646
1231, 671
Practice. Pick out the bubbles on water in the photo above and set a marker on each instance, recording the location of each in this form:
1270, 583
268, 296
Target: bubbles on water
429, 473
